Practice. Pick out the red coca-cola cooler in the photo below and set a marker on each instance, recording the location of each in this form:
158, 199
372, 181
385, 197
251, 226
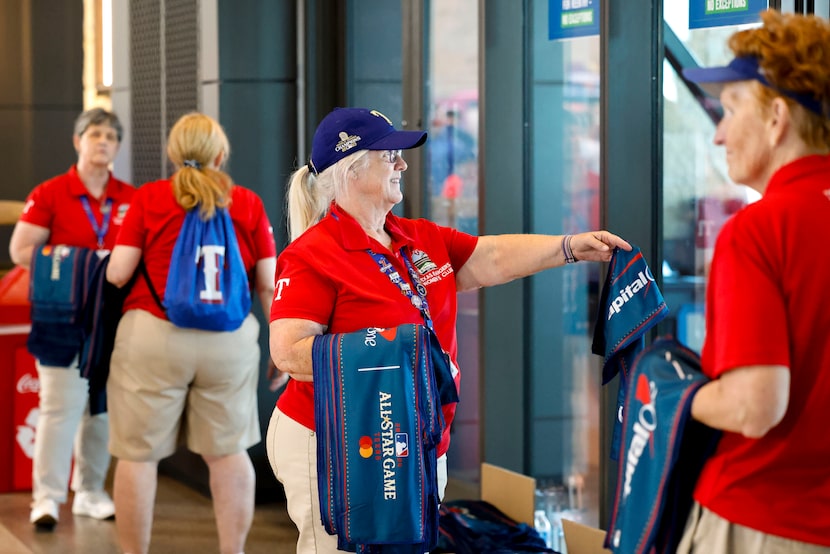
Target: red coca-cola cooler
19, 384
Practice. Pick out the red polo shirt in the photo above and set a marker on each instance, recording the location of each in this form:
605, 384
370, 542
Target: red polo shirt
767, 303
154, 222
56, 205
326, 276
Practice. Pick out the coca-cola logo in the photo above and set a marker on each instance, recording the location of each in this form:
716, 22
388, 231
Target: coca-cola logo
28, 383
26, 433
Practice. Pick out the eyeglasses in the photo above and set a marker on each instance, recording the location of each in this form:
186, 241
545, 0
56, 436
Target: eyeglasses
391, 156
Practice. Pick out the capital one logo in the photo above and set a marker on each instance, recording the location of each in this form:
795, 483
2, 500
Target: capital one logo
627, 293
643, 428
372, 333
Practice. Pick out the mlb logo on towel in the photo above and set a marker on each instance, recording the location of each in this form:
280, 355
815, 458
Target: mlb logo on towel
401, 445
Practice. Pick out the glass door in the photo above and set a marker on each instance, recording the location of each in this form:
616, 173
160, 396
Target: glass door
452, 189
564, 184
698, 196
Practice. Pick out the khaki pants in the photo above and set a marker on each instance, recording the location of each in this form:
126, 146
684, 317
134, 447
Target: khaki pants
64, 419
292, 451
708, 533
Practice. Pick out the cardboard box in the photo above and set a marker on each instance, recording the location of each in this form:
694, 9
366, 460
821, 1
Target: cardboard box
514, 494
510, 492
581, 539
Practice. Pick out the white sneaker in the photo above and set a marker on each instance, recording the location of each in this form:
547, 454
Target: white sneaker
96, 504
44, 514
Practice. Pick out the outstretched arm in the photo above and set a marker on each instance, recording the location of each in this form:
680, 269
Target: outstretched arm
499, 259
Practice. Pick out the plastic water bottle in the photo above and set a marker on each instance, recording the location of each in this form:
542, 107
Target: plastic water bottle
542, 525
557, 536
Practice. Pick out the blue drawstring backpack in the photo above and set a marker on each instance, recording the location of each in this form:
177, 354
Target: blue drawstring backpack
207, 285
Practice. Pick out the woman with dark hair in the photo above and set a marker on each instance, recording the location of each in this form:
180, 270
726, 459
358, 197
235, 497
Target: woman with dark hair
84, 208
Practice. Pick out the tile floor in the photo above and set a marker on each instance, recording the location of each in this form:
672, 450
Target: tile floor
183, 524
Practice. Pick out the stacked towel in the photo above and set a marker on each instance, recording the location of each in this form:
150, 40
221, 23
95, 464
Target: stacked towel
378, 395
75, 313
664, 451
61, 280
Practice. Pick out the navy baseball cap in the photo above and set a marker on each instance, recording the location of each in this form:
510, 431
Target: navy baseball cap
347, 130
743, 68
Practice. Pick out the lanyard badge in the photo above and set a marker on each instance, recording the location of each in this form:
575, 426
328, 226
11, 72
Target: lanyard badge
418, 300
106, 211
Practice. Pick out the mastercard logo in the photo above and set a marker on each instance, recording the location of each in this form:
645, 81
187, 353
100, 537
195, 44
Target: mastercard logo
366, 449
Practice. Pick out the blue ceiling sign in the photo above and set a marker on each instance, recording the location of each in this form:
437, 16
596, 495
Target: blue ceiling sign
572, 18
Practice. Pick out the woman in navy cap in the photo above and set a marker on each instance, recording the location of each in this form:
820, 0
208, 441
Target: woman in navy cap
767, 346
353, 264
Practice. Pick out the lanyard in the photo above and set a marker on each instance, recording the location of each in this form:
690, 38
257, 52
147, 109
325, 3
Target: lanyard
106, 211
420, 301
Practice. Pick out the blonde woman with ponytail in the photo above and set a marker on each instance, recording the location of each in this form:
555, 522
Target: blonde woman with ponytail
198, 148
167, 380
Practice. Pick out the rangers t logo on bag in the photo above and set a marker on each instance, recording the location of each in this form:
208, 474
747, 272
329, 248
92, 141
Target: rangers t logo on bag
207, 285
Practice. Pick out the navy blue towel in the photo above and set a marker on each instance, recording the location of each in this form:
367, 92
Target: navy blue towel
102, 313
630, 305
378, 419
75, 312
61, 279
476, 526
664, 451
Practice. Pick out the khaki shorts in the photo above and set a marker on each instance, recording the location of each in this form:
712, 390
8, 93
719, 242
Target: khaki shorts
167, 382
708, 533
